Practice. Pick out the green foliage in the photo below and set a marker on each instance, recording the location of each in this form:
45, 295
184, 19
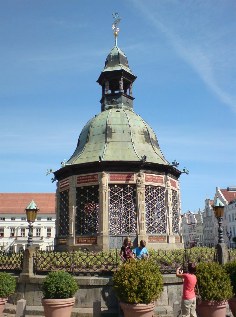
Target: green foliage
213, 282
59, 284
230, 268
138, 282
7, 284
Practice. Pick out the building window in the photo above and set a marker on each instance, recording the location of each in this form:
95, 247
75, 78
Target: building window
49, 218
2, 218
1, 232
39, 218
23, 218
49, 232
13, 218
12, 232
38, 232
22, 232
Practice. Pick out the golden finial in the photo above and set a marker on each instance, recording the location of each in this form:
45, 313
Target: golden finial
115, 26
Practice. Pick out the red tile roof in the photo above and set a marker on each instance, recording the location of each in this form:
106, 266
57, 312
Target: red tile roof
229, 195
15, 203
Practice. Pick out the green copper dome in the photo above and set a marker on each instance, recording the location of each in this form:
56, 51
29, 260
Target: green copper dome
117, 135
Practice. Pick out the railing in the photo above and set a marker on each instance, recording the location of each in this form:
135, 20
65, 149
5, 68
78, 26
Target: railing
11, 262
76, 262
103, 263
232, 255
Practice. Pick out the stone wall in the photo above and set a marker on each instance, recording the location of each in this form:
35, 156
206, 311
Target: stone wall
97, 291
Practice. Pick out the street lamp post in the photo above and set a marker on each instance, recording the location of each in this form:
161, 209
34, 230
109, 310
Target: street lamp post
222, 252
31, 213
219, 213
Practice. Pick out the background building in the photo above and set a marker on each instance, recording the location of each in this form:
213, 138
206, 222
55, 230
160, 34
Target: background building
14, 225
192, 228
203, 226
228, 198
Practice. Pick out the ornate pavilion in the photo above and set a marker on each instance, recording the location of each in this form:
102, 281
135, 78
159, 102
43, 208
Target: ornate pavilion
117, 182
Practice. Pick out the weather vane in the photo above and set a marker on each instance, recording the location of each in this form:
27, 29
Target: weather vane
115, 25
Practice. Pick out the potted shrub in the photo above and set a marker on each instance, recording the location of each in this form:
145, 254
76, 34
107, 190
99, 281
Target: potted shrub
215, 289
7, 288
137, 285
59, 289
231, 270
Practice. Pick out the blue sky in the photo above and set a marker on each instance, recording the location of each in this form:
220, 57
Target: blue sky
183, 52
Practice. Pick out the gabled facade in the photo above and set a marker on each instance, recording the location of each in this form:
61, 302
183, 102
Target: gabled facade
210, 225
192, 229
228, 198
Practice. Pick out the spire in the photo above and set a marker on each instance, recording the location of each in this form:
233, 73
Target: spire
115, 26
116, 78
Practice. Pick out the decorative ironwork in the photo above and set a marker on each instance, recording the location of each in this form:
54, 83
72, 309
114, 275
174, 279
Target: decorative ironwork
76, 262
87, 211
64, 213
115, 26
155, 209
175, 212
83, 262
11, 262
122, 209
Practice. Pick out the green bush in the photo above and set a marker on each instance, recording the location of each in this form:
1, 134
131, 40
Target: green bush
138, 282
231, 270
59, 285
213, 282
7, 284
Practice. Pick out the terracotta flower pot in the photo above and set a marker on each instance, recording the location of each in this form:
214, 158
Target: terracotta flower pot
211, 309
58, 307
137, 310
232, 305
2, 305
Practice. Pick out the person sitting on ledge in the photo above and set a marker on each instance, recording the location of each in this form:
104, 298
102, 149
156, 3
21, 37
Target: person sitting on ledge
141, 252
126, 252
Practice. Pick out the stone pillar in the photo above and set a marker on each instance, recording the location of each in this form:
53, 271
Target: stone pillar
141, 217
222, 253
106, 87
169, 231
28, 265
57, 214
103, 236
179, 208
72, 212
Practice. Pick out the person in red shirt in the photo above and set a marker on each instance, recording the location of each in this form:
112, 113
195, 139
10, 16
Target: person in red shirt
188, 305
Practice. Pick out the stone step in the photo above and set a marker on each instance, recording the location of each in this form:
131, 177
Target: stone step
32, 311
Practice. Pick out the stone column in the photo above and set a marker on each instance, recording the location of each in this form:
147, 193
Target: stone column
179, 208
103, 236
28, 265
57, 214
141, 219
170, 236
72, 212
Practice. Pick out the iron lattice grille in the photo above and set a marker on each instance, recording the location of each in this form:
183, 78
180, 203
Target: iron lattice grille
122, 209
175, 212
155, 209
64, 213
87, 212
